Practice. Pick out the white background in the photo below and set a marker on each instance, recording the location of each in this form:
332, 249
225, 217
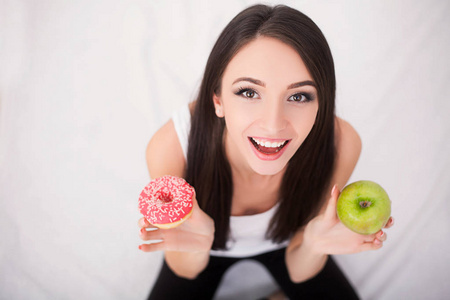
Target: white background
85, 84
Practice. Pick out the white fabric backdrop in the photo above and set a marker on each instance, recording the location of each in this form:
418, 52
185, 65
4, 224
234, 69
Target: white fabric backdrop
84, 85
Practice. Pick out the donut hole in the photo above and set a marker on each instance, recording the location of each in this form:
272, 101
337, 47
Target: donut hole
164, 196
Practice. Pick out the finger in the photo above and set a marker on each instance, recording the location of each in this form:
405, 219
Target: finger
152, 247
144, 223
389, 223
376, 244
148, 235
330, 211
369, 238
381, 236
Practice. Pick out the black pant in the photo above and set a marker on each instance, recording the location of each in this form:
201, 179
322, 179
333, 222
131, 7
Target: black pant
330, 283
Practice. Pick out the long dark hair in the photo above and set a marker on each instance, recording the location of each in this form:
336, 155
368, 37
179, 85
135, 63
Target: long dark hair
309, 171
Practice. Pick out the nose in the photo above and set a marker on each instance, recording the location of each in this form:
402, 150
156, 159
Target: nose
273, 117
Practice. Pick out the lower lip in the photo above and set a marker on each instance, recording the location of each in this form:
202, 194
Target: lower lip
263, 156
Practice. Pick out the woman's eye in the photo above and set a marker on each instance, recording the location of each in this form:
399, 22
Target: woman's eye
300, 97
247, 93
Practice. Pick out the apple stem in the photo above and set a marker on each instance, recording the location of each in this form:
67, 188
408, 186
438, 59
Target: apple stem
365, 204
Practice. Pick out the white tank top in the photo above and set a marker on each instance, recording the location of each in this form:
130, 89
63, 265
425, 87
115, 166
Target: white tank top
247, 233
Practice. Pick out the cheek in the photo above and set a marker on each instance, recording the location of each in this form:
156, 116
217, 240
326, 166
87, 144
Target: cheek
305, 122
238, 116
236, 126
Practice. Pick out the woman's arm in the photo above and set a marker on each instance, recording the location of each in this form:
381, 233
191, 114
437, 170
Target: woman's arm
186, 246
308, 250
164, 154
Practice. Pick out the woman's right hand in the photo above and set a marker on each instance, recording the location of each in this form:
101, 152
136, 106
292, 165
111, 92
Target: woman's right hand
196, 234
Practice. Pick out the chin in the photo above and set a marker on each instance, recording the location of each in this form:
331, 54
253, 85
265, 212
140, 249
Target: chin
269, 168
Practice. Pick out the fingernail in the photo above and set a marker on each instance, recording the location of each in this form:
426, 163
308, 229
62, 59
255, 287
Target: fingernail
377, 241
140, 247
382, 233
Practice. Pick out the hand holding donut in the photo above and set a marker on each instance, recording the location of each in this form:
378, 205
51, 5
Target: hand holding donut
173, 217
327, 235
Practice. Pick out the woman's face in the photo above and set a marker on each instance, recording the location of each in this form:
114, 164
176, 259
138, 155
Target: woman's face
269, 102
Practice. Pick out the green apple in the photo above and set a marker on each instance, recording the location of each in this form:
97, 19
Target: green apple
364, 207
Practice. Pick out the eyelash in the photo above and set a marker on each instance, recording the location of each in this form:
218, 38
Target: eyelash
308, 96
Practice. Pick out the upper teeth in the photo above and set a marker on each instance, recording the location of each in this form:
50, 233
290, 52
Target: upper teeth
269, 144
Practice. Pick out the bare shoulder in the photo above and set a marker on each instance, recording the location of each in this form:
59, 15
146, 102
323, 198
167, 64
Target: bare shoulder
347, 138
164, 153
348, 146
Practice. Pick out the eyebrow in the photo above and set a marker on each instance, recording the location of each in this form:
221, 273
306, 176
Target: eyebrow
260, 83
301, 83
249, 79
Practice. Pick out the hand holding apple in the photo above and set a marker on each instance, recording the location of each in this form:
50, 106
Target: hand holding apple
325, 234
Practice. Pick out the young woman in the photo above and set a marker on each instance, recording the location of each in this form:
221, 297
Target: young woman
267, 155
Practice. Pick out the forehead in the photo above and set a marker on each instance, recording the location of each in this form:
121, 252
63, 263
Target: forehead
267, 59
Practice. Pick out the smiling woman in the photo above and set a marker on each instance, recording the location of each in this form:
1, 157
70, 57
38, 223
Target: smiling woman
265, 153
284, 54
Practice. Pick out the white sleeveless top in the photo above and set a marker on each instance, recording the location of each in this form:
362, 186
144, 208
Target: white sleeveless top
247, 233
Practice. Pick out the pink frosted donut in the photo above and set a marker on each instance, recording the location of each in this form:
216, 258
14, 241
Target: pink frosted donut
166, 202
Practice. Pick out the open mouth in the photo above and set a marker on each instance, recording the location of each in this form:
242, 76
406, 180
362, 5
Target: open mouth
268, 147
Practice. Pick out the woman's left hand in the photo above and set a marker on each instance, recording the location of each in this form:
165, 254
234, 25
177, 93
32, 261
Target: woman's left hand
325, 234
